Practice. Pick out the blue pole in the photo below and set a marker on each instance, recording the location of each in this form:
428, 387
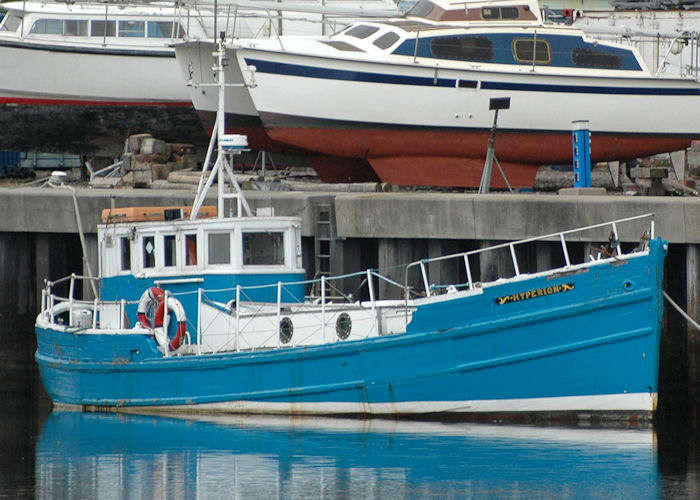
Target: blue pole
581, 142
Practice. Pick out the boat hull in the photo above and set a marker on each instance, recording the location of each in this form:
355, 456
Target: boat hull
417, 111
569, 344
87, 110
195, 60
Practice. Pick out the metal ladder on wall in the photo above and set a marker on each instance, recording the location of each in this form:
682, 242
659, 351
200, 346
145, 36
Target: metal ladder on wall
324, 240
324, 234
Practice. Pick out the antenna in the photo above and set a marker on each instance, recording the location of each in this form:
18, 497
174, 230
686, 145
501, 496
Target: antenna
228, 145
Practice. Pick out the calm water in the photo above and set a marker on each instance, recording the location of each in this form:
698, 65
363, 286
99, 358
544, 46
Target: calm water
53, 455
86, 455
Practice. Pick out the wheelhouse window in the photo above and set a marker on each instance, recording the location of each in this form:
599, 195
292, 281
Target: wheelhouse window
132, 29
11, 23
361, 31
149, 252
589, 58
170, 251
462, 48
164, 29
102, 28
190, 249
523, 49
125, 250
386, 40
219, 248
263, 249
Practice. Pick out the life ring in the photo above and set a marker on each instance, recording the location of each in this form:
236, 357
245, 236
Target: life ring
176, 308
151, 298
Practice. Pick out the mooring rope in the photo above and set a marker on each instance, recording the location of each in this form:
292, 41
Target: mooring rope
683, 313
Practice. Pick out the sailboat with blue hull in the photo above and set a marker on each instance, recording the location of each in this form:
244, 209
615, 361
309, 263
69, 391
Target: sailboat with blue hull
201, 312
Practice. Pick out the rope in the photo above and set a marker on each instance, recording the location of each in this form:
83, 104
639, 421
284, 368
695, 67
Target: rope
681, 311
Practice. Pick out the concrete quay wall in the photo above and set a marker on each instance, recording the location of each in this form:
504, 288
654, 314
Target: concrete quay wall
374, 215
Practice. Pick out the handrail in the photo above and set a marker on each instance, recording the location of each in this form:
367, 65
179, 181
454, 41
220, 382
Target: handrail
511, 246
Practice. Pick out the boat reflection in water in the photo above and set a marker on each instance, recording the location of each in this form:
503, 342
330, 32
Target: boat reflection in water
92, 455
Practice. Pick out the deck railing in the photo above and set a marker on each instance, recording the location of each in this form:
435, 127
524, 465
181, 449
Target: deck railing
613, 249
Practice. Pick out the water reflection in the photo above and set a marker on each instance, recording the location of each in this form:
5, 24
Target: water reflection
86, 455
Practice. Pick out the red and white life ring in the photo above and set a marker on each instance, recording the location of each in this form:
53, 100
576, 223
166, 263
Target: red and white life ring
176, 308
150, 299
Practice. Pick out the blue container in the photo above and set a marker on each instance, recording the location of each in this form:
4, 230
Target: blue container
9, 160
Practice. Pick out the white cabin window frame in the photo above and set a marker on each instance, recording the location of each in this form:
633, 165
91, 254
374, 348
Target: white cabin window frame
171, 252
131, 28
125, 255
174, 30
144, 240
252, 257
215, 247
103, 29
191, 254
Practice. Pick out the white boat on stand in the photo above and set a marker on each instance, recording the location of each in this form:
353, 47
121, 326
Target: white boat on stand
412, 96
81, 77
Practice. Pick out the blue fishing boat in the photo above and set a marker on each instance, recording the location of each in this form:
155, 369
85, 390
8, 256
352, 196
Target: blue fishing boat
240, 336
200, 311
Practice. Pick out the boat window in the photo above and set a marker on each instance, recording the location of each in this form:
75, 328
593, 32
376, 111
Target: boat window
500, 12
47, 27
340, 45
132, 29
102, 28
75, 28
589, 58
149, 254
462, 48
190, 249
219, 248
386, 40
170, 250
164, 29
125, 247
11, 23
361, 31
523, 48
263, 249
467, 84
422, 8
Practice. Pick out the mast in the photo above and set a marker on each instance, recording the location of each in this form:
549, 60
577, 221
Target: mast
228, 145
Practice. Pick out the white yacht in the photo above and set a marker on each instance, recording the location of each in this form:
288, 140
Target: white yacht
415, 97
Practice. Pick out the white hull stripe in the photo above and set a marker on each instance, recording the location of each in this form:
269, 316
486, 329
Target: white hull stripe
636, 402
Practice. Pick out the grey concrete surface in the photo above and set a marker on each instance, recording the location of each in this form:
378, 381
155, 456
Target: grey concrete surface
376, 215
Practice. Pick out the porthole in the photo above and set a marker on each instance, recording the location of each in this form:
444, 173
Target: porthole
286, 330
343, 326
